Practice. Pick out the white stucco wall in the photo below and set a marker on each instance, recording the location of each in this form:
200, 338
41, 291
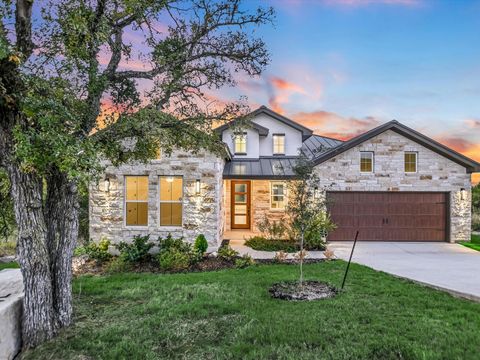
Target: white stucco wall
263, 145
434, 173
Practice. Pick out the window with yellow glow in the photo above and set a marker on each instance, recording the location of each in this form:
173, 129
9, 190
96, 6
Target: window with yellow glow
279, 144
278, 200
136, 200
240, 143
366, 161
171, 194
410, 162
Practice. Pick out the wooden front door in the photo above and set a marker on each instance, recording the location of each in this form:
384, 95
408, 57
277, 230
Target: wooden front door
240, 204
389, 216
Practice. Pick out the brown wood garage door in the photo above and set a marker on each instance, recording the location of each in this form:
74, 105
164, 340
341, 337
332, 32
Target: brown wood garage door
392, 216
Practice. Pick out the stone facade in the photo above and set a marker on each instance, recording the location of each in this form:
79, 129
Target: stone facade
434, 173
202, 213
260, 203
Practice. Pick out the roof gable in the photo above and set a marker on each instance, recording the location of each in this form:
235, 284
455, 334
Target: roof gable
394, 125
262, 131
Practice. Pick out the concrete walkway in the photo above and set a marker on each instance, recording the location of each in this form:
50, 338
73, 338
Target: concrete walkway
11, 295
239, 246
451, 267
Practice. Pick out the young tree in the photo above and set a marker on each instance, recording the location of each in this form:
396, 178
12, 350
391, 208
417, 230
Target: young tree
307, 206
54, 76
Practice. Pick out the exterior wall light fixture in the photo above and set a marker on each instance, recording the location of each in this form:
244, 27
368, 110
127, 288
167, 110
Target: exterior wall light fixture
106, 184
463, 194
197, 186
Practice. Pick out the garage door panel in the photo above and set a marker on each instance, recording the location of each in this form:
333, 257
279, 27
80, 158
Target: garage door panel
389, 216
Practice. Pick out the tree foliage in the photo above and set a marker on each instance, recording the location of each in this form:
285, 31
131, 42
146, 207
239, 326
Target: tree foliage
105, 79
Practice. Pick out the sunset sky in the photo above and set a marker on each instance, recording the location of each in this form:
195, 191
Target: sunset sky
344, 66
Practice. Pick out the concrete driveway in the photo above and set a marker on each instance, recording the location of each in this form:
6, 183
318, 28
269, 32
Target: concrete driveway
449, 267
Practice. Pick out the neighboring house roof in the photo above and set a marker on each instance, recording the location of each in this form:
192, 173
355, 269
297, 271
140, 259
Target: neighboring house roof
263, 168
306, 132
316, 145
394, 125
262, 131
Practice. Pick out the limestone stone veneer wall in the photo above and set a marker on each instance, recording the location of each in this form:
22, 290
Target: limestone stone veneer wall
434, 173
201, 213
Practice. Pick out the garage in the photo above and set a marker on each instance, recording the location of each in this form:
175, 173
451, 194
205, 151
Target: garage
389, 216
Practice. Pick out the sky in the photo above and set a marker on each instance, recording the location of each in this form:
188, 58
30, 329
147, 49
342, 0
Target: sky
342, 67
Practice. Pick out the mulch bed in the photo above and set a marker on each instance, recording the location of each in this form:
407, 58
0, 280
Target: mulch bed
309, 290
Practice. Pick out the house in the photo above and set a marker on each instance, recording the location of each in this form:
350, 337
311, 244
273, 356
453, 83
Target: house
391, 183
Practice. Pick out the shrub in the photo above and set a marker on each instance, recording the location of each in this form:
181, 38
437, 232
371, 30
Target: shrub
201, 244
280, 256
227, 253
272, 230
476, 221
316, 233
137, 251
7, 248
118, 265
243, 262
98, 252
174, 260
176, 254
262, 244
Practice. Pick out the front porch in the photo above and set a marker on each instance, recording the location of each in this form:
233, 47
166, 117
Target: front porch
248, 202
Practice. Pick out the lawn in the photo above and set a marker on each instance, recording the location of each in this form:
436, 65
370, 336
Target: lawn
473, 244
9, 265
230, 315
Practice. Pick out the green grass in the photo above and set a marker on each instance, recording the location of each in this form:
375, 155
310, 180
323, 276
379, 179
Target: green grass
474, 243
9, 265
262, 244
230, 315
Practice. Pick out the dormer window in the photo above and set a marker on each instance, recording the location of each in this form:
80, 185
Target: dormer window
240, 143
278, 144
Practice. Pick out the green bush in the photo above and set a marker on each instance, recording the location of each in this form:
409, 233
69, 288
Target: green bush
227, 253
137, 251
272, 230
317, 232
243, 262
201, 244
174, 260
98, 252
118, 265
476, 221
262, 244
176, 254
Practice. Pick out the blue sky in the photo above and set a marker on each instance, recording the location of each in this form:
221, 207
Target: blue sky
344, 66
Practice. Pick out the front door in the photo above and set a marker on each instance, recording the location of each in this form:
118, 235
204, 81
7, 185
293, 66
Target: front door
240, 204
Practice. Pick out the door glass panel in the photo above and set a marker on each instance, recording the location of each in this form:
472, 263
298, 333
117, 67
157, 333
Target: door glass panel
240, 220
240, 187
241, 198
240, 209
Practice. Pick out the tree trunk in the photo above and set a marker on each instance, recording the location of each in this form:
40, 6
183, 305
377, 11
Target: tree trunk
39, 322
61, 211
302, 236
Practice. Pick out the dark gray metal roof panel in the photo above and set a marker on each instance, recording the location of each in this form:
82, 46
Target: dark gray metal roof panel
272, 168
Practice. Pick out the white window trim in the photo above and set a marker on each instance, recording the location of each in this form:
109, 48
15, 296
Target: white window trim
284, 195
373, 162
136, 227
171, 227
416, 162
244, 134
273, 144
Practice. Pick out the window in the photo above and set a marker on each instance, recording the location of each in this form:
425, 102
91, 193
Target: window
366, 161
240, 142
278, 196
279, 144
136, 200
410, 162
171, 193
